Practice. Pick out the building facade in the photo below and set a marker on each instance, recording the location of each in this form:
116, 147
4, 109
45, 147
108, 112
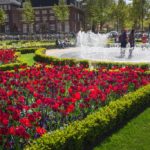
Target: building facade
45, 20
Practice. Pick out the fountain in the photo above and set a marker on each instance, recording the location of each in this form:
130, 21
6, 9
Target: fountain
92, 46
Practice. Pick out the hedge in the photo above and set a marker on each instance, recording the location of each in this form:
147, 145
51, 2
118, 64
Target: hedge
109, 65
80, 135
14, 65
40, 56
26, 50
11, 66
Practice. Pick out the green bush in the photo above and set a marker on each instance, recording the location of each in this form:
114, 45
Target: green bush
84, 63
41, 57
109, 65
81, 134
11, 66
26, 50
14, 65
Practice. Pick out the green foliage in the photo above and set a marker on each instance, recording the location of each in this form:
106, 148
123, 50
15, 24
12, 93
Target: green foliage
97, 11
84, 63
109, 65
28, 12
13, 44
41, 57
21, 59
11, 66
61, 11
26, 50
2, 16
81, 134
140, 10
119, 13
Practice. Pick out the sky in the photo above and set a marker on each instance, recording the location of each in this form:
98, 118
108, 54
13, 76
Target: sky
128, 1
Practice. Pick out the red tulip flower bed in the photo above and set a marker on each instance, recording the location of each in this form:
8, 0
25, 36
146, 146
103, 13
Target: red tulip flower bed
7, 56
41, 99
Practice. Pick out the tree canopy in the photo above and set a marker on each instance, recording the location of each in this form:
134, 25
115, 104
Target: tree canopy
61, 11
28, 12
2, 16
118, 12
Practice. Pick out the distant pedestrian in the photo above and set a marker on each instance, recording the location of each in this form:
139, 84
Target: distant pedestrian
144, 41
123, 41
132, 42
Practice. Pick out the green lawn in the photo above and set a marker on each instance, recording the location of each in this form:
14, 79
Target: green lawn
28, 58
134, 136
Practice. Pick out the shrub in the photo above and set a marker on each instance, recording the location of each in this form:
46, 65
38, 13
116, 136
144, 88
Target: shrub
11, 66
17, 64
84, 63
81, 134
40, 56
26, 50
109, 65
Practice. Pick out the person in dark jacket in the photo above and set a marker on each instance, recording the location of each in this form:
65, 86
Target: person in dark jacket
132, 42
123, 41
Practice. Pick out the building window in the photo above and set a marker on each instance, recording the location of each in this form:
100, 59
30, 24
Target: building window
44, 18
24, 28
8, 7
37, 12
44, 12
7, 28
31, 28
51, 11
5, 7
78, 17
37, 27
7, 18
51, 18
67, 27
59, 27
52, 27
37, 18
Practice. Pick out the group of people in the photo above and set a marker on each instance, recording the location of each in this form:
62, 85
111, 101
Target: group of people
124, 39
63, 43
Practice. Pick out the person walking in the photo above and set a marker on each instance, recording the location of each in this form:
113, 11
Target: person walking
144, 41
123, 41
132, 42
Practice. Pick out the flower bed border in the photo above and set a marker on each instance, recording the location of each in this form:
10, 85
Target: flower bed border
81, 135
41, 57
12, 66
27, 50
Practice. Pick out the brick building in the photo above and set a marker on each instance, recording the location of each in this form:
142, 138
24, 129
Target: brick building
45, 20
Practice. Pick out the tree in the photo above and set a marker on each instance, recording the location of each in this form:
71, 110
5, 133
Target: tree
2, 17
61, 12
140, 10
119, 13
28, 12
98, 11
